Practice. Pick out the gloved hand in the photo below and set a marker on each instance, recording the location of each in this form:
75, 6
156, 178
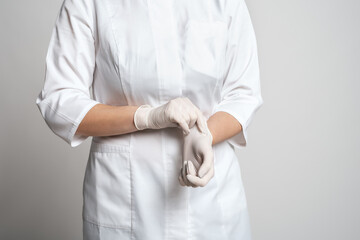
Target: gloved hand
179, 112
198, 159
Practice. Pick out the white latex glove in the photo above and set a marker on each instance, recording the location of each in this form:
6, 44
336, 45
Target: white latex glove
179, 112
198, 159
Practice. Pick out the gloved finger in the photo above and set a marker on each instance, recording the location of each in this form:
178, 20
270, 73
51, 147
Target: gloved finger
207, 164
186, 118
183, 176
180, 178
197, 163
185, 127
193, 111
201, 182
195, 114
201, 122
193, 119
191, 170
184, 173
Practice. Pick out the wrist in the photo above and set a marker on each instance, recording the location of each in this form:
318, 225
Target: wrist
211, 137
141, 117
209, 133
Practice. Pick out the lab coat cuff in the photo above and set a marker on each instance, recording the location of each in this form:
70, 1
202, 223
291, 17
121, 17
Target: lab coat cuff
76, 139
240, 139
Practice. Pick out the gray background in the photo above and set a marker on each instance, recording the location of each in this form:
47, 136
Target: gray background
300, 169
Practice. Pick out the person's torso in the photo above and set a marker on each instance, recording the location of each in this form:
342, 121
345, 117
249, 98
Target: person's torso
149, 52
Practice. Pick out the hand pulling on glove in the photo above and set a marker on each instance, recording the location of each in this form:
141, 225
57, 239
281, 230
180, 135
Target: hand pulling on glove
179, 112
198, 159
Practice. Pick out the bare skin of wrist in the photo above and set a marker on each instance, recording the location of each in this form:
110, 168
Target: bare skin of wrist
107, 120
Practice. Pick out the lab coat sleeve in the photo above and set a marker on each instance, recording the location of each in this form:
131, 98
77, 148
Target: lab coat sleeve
70, 61
240, 90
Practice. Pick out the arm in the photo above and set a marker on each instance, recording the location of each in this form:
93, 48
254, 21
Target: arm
65, 102
223, 126
106, 120
240, 91
70, 62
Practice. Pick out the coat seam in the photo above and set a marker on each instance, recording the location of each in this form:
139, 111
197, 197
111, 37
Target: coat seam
117, 62
188, 215
131, 190
60, 114
218, 200
161, 84
87, 219
165, 186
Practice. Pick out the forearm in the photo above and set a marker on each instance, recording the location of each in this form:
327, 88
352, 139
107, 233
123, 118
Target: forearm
223, 126
107, 120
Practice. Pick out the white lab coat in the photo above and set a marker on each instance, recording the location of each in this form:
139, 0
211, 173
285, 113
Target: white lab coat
134, 52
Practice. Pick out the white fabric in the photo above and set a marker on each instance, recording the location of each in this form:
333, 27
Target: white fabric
148, 52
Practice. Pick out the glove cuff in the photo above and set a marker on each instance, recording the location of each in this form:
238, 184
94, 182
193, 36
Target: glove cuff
141, 117
209, 133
